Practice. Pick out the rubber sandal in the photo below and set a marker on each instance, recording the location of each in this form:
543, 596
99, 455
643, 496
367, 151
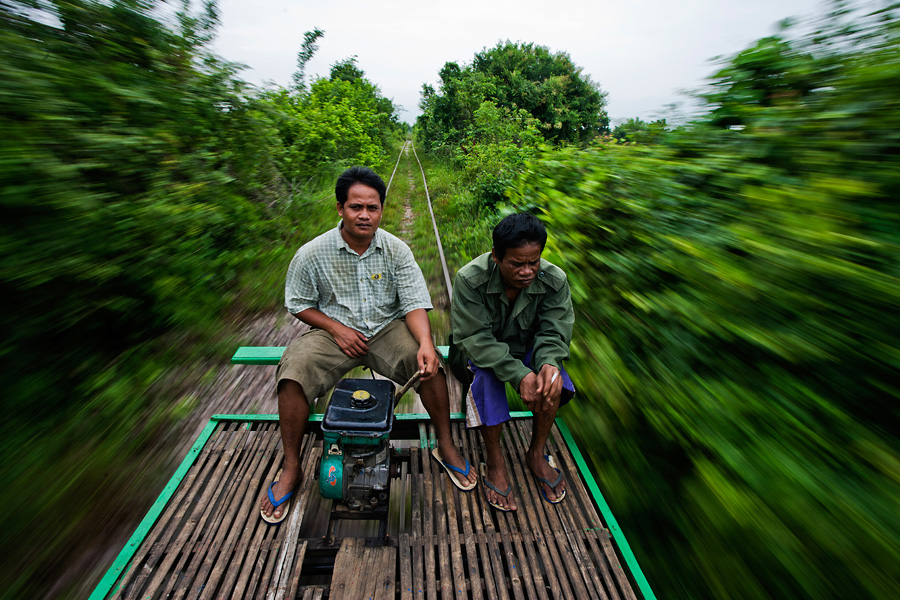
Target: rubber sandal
287, 498
448, 467
551, 484
492, 487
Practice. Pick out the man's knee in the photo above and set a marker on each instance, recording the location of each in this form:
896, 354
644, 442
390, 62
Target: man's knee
437, 382
290, 390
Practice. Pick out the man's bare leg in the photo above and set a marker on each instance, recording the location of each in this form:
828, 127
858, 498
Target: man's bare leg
437, 402
496, 468
293, 412
543, 422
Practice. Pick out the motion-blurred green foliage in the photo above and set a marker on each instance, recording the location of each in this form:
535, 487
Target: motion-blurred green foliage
738, 333
149, 197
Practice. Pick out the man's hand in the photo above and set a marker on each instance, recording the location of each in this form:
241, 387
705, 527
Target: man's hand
428, 360
549, 385
420, 328
528, 391
351, 342
541, 391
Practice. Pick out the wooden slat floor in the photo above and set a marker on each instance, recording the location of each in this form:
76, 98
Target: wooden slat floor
209, 542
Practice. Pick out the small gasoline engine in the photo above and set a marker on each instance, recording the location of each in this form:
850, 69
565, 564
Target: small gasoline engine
356, 455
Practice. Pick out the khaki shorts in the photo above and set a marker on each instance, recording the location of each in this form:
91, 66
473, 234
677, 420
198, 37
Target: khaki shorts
316, 362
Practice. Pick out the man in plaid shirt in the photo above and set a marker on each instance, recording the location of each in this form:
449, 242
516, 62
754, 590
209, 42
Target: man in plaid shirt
365, 299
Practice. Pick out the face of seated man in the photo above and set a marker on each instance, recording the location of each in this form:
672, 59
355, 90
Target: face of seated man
361, 213
519, 266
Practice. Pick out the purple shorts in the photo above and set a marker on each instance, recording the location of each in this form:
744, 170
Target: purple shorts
486, 402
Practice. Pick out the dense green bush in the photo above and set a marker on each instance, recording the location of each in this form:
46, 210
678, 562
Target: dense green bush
737, 334
495, 148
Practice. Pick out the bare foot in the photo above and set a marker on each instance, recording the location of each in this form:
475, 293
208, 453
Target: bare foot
497, 477
451, 455
287, 482
541, 468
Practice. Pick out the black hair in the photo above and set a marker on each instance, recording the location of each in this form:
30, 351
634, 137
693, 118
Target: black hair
363, 175
517, 230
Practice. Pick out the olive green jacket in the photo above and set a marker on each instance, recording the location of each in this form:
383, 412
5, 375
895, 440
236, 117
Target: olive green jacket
494, 335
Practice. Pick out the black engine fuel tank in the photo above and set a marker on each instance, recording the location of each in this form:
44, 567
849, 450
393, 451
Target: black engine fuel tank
360, 407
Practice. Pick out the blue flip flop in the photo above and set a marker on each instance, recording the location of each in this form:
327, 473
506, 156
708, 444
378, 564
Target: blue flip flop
551, 484
448, 467
491, 486
276, 503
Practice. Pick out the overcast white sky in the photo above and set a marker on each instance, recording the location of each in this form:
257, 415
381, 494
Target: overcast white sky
643, 53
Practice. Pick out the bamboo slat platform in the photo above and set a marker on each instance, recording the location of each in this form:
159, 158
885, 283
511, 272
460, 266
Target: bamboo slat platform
209, 542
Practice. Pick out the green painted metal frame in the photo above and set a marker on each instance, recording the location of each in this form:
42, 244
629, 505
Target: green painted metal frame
611, 523
121, 562
118, 567
271, 355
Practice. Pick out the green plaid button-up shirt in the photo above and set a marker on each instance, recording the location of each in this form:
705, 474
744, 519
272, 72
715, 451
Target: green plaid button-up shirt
364, 292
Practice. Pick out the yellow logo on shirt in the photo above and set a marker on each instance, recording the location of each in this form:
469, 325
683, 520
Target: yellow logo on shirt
376, 276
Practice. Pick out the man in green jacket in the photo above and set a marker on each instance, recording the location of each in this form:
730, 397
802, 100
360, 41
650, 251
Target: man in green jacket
511, 320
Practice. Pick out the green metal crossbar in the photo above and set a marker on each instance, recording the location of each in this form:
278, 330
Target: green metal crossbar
271, 355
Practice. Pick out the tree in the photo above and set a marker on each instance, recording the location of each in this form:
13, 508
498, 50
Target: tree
770, 73
340, 120
549, 86
347, 70
567, 105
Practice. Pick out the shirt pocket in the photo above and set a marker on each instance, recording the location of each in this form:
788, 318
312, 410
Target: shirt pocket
384, 290
527, 319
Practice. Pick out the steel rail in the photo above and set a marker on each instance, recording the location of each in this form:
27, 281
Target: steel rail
397, 164
434, 223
